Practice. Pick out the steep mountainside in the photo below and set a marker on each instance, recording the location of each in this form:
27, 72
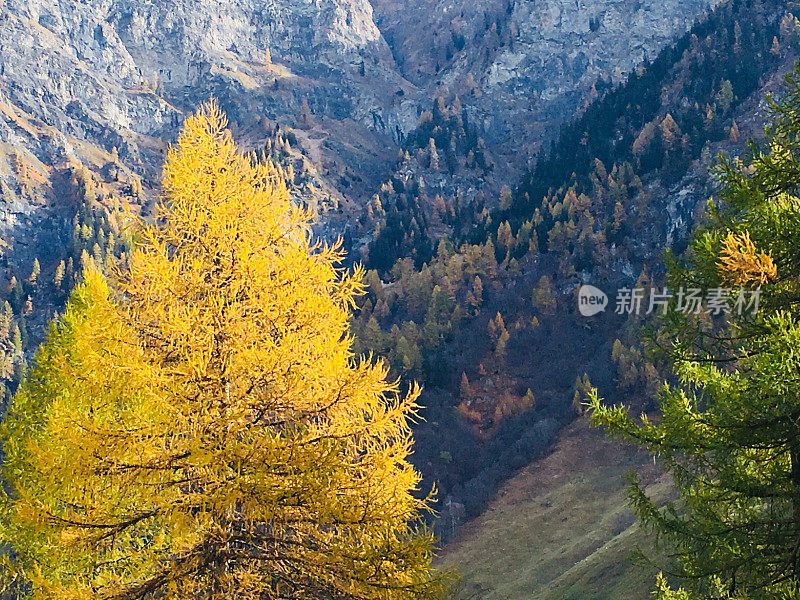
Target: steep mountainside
524, 66
118, 73
475, 296
78, 79
560, 529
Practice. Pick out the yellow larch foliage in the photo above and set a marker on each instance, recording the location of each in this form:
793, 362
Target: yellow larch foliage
203, 430
741, 264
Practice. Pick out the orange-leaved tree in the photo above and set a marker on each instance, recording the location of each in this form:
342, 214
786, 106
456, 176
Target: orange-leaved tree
198, 427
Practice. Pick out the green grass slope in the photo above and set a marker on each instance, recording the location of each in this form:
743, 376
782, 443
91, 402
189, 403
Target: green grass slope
561, 529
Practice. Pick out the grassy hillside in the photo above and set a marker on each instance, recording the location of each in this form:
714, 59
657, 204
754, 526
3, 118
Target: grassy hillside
560, 529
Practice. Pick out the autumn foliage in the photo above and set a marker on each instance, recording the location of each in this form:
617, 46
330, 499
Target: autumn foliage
740, 264
198, 427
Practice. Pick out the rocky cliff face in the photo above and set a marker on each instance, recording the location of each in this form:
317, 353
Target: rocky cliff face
96, 82
523, 66
108, 71
99, 82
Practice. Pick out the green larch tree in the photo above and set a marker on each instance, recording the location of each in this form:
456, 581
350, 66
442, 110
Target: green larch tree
728, 428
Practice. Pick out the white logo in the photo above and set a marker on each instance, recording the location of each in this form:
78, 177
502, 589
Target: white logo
591, 300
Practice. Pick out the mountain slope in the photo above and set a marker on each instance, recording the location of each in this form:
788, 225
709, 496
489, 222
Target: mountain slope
80, 79
479, 304
560, 529
122, 74
525, 67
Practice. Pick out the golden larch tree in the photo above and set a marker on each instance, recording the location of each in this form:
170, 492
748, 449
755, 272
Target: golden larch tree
198, 427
